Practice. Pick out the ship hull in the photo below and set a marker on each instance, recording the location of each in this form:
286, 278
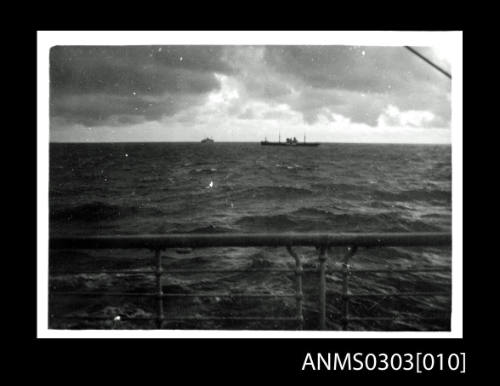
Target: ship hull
309, 144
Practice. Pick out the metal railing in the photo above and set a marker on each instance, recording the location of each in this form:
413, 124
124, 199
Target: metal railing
321, 241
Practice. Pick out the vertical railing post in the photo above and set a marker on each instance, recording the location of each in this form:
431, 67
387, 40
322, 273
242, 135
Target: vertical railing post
159, 289
322, 288
346, 272
299, 296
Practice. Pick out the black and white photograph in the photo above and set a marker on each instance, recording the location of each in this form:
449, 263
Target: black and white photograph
215, 185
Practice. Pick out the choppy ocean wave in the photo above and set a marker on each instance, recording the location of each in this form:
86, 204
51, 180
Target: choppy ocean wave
271, 192
316, 220
226, 188
100, 211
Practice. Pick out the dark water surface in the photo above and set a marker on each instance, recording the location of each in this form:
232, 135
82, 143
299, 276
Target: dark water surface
106, 189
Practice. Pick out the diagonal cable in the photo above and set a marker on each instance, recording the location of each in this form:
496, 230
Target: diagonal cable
440, 69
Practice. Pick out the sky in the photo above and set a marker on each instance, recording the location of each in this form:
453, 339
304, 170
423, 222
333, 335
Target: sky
248, 93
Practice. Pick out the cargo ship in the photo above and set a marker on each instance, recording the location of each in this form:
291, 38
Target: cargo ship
289, 142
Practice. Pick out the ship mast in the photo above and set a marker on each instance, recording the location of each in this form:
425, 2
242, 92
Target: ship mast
279, 136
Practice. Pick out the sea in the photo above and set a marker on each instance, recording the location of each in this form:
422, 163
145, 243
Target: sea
163, 188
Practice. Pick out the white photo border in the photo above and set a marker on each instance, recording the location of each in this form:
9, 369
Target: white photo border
47, 39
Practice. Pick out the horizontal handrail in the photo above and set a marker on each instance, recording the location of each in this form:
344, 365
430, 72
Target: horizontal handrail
251, 240
180, 295
186, 318
250, 270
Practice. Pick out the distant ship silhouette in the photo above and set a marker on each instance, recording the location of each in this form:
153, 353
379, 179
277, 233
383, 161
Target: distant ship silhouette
289, 142
207, 140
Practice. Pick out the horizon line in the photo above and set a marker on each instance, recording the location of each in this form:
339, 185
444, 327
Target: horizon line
256, 142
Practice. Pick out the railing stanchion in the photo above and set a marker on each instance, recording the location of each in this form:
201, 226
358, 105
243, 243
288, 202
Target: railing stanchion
346, 272
298, 287
159, 271
322, 288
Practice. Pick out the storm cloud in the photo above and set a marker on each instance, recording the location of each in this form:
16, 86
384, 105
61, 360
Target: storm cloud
359, 82
89, 85
114, 86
